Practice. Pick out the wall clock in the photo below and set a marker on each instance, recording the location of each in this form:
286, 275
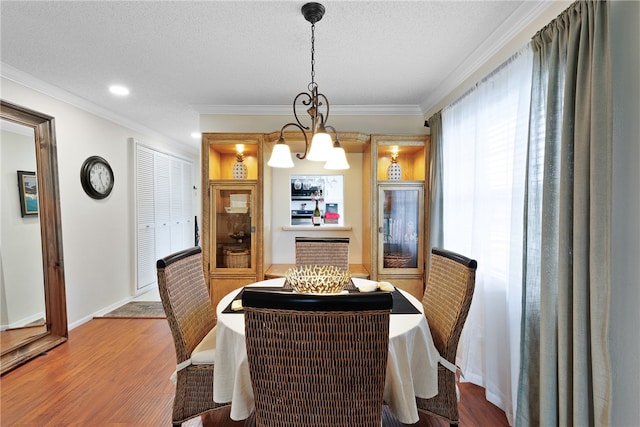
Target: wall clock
96, 177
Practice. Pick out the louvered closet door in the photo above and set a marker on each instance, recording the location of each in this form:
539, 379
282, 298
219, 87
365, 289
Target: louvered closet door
162, 209
180, 206
188, 224
145, 219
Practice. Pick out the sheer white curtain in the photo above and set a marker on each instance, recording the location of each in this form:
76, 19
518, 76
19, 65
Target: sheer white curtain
484, 139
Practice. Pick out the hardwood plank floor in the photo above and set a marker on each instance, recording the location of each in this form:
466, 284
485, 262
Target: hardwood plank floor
10, 337
114, 372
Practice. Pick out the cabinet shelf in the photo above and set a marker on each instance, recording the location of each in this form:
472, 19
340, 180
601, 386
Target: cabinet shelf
313, 228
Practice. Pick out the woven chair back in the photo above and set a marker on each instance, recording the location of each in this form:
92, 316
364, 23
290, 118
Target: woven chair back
447, 298
323, 251
317, 361
185, 299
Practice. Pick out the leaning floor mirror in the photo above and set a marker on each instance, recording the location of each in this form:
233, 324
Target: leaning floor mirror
33, 313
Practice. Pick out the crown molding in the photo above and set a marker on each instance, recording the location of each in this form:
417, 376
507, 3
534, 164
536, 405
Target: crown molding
501, 36
10, 73
286, 110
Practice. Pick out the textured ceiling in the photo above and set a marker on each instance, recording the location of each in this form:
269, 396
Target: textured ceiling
180, 58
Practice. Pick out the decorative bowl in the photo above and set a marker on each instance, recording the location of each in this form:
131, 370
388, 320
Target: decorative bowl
318, 279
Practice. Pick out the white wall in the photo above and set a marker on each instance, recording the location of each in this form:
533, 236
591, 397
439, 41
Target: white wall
97, 235
283, 241
624, 335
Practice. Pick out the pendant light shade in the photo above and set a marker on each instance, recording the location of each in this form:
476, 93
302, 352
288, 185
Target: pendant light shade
280, 156
337, 160
321, 147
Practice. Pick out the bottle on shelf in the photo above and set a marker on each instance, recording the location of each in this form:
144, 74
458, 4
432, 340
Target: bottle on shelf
317, 219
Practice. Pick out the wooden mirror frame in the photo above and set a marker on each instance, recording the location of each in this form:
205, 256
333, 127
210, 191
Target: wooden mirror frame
51, 232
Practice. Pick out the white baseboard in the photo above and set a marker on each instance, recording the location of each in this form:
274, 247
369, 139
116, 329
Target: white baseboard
100, 312
20, 323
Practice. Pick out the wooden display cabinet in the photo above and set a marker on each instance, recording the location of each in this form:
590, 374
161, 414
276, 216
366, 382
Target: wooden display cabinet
395, 240
400, 241
232, 212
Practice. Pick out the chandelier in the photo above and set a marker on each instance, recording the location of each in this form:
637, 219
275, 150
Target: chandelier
318, 146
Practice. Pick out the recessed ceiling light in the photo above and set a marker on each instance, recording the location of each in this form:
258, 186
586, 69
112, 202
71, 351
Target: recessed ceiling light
119, 90
196, 135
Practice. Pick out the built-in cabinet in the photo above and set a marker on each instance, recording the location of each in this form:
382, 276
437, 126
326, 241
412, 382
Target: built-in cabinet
233, 251
396, 235
400, 215
232, 234
236, 219
164, 210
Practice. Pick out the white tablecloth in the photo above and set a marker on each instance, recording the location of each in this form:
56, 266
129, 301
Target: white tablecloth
412, 365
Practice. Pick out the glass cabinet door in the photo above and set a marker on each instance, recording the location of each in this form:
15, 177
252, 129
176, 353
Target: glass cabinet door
233, 245
401, 216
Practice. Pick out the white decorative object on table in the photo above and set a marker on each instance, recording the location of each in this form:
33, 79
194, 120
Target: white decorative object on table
368, 287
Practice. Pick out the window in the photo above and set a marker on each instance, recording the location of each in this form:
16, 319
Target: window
325, 191
484, 138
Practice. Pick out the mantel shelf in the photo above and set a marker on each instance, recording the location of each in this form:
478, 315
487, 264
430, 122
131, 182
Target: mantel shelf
314, 228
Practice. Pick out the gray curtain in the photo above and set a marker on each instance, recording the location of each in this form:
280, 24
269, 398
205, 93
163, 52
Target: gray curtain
565, 374
435, 182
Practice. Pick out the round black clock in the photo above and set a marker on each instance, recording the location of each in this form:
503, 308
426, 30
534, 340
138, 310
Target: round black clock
96, 177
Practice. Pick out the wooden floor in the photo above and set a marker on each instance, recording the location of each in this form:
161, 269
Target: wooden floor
114, 372
10, 337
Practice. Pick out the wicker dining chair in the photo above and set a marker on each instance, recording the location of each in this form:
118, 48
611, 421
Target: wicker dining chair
446, 303
323, 251
317, 360
192, 322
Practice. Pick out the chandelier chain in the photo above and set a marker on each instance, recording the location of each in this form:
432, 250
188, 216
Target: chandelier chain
313, 51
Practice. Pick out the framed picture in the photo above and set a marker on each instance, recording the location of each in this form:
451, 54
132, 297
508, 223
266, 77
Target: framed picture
28, 191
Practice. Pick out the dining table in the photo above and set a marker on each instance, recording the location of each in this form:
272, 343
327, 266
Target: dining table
412, 363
